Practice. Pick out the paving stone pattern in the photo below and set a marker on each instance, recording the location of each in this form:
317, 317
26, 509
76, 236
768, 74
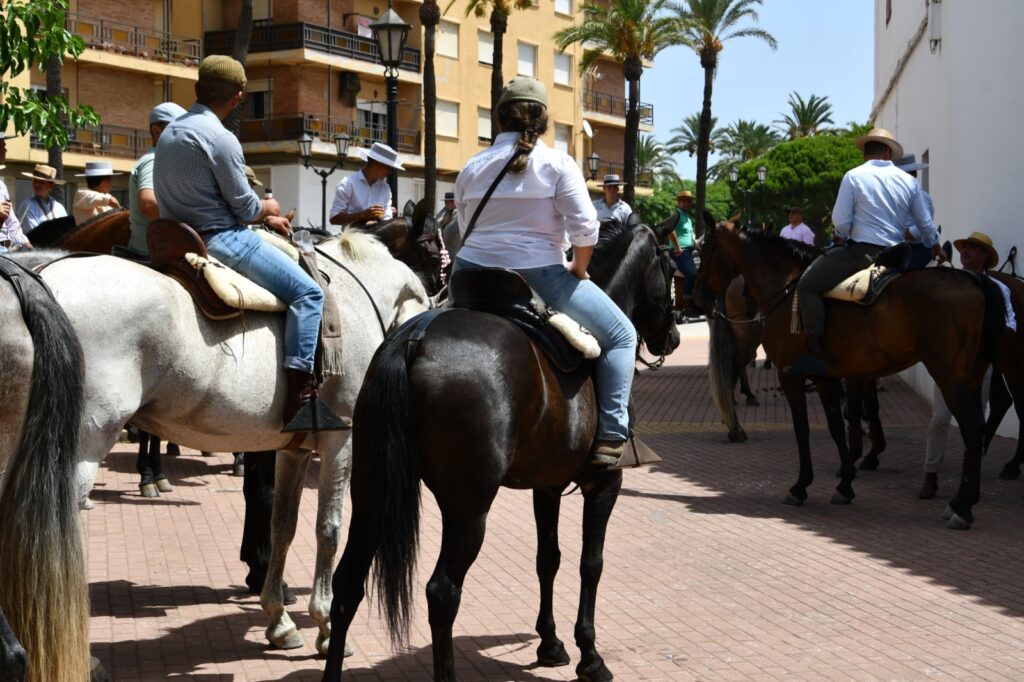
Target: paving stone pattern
707, 575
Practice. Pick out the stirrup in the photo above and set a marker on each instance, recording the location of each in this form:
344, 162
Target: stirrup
315, 416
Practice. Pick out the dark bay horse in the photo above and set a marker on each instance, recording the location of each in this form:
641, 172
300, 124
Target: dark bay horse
1008, 377
98, 234
897, 331
479, 407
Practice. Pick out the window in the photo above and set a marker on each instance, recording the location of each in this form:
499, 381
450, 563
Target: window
363, 26
563, 68
923, 175
485, 48
563, 136
447, 118
888, 11
527, 60
372, 121
563, 6
448, 39
483, 124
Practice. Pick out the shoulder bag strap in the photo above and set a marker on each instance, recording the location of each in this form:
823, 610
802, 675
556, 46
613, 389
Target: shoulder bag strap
487, 195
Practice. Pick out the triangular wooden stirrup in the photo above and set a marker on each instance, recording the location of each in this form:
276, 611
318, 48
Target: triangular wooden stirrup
636, 454
315, 416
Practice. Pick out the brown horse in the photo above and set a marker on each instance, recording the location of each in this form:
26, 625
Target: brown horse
863, 342
98, 234
1008, 377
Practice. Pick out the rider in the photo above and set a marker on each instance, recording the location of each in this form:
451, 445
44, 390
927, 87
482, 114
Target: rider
681, 240
41, 207
611, 206
535, 213
11, 235
141, 198
95, 197
200, 179
876, 200
445, 215
365, 195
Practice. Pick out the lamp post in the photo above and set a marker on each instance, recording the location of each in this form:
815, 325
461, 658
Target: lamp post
341, 143
593, 161
390, 34
734, 176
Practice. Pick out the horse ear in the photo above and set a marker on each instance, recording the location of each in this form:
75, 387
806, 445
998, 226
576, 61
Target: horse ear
731, 220
633, 220
409, 208
419, 216
665, 228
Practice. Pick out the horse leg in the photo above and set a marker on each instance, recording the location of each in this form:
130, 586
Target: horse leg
461, 539
793, 388
143, 465
599, 496
875, 433
1000, 399
159, 478
335, 473
855, 390
258, 491
546, 503
745, 388
830, 391
288, 479
238, 465
964, 402
173, 450
93, 445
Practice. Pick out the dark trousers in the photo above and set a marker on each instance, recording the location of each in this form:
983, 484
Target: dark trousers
826, 272
684, 262
920, 256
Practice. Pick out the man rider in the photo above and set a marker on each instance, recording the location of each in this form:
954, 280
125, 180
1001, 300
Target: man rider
200, 179
365, 195
875, 202
611, 207
142, 202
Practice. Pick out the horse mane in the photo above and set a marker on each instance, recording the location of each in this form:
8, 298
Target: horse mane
613, 231
764, 240
359, 246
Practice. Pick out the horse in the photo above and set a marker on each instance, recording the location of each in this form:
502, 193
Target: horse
414, 239
218, 385
865, 342
98, 234
521, 424
1008, 377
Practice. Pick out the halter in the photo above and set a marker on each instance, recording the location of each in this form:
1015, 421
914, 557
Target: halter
776, 299
662, 253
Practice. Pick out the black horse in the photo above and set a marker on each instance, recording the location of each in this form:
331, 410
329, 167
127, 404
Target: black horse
521, 424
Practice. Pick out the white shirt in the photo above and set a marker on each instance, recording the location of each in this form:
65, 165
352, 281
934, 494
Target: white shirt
800, 233
620, 210
355, 194
34, 211
875, 203
1011, 319
533, 216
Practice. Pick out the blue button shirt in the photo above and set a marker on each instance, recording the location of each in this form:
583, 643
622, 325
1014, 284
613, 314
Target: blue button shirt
876, 202
620, 210
199, 174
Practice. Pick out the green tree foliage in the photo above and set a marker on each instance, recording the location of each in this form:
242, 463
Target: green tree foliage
687, 134
662, 203
806, 118
653, 156
30, 34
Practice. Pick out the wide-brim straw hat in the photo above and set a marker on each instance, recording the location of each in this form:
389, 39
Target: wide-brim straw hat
684, 194
95, 169
984, 241
44, 173
250, 175
381, 153
612, 180
909, 163
885, 137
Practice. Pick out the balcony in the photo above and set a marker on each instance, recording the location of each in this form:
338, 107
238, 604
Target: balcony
105, 140
278, 37
644, 176
285, 128
613, 105
131, 41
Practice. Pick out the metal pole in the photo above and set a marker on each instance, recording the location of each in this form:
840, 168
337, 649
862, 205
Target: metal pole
391, 79
323, 200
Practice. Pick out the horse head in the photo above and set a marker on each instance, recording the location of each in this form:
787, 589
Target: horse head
412, 239
634, 268
717, 266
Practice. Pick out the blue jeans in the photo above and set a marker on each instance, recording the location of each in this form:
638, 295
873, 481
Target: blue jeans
583, 301
684, 262
244, 251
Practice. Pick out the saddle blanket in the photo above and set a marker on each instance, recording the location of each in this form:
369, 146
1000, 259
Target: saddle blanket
233, 288
862, 287
578, 336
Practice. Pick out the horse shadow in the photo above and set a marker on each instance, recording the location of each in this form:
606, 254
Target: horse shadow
179, 469
116, 496
125, 599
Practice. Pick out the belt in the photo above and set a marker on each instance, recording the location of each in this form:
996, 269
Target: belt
876, 246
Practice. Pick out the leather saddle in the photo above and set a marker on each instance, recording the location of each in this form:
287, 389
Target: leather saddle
865, 286
506, 294
168, 242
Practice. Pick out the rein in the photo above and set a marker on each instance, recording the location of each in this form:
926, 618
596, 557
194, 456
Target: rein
380, 318
776, 299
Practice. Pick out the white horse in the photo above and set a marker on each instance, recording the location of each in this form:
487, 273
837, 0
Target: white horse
219, 385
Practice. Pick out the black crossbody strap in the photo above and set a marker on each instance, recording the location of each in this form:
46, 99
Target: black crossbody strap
487, 195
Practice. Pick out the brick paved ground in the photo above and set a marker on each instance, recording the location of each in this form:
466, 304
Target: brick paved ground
707, 575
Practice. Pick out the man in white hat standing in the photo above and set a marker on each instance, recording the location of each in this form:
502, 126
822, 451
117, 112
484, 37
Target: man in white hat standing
141, 198
876, 200
365, 195
611, 207
96, 197
41, 207
11, 235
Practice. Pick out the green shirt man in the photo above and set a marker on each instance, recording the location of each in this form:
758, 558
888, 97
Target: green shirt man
142, 201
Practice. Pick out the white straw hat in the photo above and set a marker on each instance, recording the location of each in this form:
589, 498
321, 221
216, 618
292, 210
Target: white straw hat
381, 153
94, 169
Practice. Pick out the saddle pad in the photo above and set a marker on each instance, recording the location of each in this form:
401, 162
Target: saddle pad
279, 242
857, 286
233, 288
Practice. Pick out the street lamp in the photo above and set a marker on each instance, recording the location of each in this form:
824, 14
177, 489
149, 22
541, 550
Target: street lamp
734, 176
593, 161
341, 143
390, 34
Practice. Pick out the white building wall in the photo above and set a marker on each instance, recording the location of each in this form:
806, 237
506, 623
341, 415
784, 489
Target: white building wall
963, 103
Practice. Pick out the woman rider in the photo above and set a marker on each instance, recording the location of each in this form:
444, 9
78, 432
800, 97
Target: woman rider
537, 210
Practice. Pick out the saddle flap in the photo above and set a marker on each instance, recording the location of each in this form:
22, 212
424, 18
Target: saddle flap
169, 241
483, 288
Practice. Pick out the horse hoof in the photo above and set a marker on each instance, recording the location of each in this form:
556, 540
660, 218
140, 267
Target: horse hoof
839, 498
595, 672
164, 486
238, 470
869, 464
948, 513
1009, 473
957, 522
148, 490
96, 671
552, 655
173, 450
289, 639
737, 435
753, 402
86, 504
792, 500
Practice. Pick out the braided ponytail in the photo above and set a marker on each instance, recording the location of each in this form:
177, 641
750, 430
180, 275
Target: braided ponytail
528, 118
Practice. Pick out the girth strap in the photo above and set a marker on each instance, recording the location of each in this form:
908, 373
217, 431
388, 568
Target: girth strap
12, 271
418, 330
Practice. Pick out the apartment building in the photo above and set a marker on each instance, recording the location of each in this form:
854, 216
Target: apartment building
313, 69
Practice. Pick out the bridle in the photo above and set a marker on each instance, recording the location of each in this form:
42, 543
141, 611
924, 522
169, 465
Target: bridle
776, 299
666, 268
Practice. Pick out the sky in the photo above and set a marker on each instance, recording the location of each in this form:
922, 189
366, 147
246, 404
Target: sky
825, 48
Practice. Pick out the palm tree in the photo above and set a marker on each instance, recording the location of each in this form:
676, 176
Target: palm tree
687, 135
630, 31
430, 17
746, 140
55, 89
240, 52
655, 157
707, 24
806, 118
500, 11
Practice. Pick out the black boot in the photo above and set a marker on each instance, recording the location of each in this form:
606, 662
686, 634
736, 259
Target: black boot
301, 389
812, 363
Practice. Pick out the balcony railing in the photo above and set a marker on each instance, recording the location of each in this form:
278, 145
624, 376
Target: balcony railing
275, 37
111, 36
293, 127
615, 106
644, 176
105, 140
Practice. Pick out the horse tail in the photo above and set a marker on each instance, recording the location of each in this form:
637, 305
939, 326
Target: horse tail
43, 587
721, 372
386, 478
995, 318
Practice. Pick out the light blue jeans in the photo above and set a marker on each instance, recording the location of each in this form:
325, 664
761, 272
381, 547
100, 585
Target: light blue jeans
244, 251
583, 301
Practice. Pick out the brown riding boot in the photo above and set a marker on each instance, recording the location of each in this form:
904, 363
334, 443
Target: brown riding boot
606, 453
301, 389
812, 363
